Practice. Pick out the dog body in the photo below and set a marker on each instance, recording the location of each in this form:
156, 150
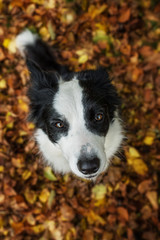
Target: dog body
76, 114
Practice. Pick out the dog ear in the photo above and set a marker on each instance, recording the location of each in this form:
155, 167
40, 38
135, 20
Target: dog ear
43, 85
41, 79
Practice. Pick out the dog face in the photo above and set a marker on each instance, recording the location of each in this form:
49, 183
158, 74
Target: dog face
76, 115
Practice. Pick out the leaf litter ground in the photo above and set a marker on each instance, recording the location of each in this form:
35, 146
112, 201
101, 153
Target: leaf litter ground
122, 36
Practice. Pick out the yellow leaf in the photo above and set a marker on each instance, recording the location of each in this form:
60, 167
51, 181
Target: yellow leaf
44, 33
139, 166
10, 125
99, 191
94, 11
134, 159
38, 229
30, 219
30, 125
50, 225
3, 84
44, 195
133, 152
30, 196
148, 140
40, 2
50, 4
1, 168
6, 42
10, 45
83, 58
153, 198
92, 217
26, 174
22, 106
51, 198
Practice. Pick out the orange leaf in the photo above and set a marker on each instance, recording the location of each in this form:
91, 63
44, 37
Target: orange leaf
125, 15
123, 213
18, 227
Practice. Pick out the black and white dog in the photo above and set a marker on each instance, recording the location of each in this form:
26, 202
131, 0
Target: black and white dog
76, 114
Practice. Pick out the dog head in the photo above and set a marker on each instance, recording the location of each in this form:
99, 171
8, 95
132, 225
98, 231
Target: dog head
77, 114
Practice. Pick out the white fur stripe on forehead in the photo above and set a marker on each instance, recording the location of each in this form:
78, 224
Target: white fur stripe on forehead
68, 100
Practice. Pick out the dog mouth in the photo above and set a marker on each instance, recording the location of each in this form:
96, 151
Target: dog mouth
91, 176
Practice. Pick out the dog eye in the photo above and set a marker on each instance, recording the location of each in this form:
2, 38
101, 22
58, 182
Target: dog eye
99, 116
59, 124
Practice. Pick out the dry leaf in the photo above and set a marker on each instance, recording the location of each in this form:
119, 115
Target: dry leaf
88, 235
123, 213
153, 198
125, 15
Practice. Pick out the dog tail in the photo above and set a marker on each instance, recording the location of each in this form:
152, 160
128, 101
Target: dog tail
33, 48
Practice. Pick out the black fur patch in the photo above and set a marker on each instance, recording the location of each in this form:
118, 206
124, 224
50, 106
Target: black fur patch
99, 96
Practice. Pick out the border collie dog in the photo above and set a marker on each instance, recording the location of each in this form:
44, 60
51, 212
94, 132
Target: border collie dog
76, 114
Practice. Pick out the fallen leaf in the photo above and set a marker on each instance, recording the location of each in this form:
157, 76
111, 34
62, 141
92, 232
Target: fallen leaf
153, 198
49, 174
148, 140
133, 152
92, 217
30, 219
38, 228
3, 84
125, 15
30, 196
93, 11
88, 235
26, 174
67, 213
18, 227
2, 56
123, 213
99, 191
83, 58
44, 195
107, 236
18, 162
139, 166
144, 186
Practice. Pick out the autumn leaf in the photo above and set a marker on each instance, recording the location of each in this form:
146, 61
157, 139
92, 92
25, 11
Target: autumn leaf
134, 160
44, 195
49, 174
123, 213
153, 198
99, 192
125, 15
30, 196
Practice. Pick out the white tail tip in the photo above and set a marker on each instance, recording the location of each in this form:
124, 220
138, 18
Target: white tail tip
23, 39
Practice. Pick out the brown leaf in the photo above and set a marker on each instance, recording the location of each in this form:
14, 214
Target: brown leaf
123, 213
2, 56
67, 213
88, 235
9, 191
107, 236
125, 15
146, 51
144, 186
18, 227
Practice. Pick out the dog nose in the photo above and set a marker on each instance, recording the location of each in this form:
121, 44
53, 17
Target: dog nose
88, 166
